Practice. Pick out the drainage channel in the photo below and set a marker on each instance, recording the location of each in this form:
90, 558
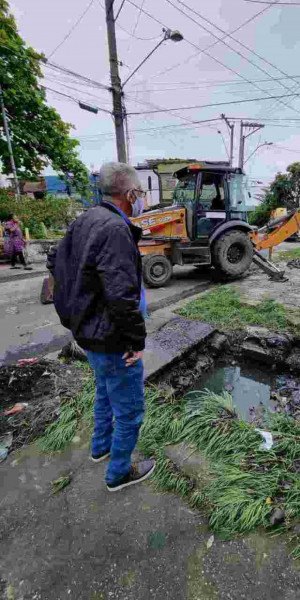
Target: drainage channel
254, 385
251, 388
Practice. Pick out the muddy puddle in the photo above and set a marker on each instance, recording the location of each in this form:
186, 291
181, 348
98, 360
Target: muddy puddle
253, 390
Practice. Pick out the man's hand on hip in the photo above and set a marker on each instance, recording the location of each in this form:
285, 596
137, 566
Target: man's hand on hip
132, 357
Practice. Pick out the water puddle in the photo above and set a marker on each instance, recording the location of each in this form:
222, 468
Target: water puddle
249, 387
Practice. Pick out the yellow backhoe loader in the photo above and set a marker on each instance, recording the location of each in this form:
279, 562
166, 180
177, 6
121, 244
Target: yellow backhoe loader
207, 225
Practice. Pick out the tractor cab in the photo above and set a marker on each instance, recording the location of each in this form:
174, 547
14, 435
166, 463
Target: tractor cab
211, 194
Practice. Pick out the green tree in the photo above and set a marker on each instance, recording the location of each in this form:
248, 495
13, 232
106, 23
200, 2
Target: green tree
284, 192
40, 137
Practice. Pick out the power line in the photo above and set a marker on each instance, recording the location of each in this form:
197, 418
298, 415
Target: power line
279, 3
175, 125
259, 56
237, 41
78, 75
141, 39
138, 18
208, 82
74, 99
243, 24
87, 8
212, 104
287, 149
74, 89
47, 63
121, 6
226, 43
200, 87
207, 53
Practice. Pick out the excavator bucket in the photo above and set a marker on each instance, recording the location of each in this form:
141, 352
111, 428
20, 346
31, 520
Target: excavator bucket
268, 267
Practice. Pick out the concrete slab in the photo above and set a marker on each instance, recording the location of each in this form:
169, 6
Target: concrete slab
172, 340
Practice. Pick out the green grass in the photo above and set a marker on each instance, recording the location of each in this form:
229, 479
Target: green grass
72, 412
244, 485
224, 307
288, 255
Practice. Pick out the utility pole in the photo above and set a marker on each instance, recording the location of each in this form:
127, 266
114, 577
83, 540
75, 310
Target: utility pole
10, 150
118, 112
253, 128
231, 131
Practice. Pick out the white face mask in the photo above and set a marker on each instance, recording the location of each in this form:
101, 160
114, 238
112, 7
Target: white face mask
138, 207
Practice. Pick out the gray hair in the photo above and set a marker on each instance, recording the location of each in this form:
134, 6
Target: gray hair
117, 178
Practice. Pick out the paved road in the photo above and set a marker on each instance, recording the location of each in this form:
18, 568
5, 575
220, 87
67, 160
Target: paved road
28, 328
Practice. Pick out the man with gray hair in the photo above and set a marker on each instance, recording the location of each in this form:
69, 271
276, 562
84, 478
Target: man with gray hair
98, 278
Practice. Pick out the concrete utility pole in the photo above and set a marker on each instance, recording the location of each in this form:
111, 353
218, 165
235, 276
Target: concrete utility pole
253, 128
10, 150
231, 131
118, 112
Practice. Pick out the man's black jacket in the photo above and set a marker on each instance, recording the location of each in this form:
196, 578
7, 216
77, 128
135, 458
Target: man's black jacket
97, 272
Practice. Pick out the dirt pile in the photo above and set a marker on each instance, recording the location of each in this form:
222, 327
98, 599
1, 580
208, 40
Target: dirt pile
41, 387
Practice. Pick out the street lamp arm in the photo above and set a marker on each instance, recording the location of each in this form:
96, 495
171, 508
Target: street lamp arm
143, 61
257, 148
175, 36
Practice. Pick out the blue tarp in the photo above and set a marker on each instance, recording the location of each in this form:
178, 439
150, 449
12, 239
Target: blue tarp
55, 185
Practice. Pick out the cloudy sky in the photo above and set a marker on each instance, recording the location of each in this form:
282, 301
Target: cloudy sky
178, 75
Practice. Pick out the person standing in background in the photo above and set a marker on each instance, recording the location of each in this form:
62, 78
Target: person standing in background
14, 243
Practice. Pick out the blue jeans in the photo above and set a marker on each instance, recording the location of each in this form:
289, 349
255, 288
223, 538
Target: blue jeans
118, 411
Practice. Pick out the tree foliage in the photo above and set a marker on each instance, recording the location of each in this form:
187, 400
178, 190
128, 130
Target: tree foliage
50, 212
284, 191
39, 136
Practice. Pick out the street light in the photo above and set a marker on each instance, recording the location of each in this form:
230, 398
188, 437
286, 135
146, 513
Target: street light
169, 34
257, 148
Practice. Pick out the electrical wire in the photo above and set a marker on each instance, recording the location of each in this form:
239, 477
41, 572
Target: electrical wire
259, 56
121, 6
77, 75
74, 99
287, 149
226, 43
81, 17
224, 143
203, 51
159, 128
210, 105
141, 39
208, 83
138, 18
47, 63
262, 58
243, 24
74, 89
279, 3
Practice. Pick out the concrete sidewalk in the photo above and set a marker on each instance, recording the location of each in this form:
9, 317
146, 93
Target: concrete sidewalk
7, 274
87, 544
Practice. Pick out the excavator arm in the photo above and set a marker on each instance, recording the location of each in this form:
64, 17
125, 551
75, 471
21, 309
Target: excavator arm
271, 235
276, 231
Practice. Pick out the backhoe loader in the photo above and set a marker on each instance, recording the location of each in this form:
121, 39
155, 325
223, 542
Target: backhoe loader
207, 225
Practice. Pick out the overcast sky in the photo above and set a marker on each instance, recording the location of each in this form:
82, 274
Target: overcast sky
196, 80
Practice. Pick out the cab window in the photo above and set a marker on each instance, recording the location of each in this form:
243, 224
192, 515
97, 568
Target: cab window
211, 195
184, 192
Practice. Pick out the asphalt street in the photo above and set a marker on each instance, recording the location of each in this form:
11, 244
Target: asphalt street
29, 328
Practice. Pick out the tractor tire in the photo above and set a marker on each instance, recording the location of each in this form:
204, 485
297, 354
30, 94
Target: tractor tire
232, 253
157, 270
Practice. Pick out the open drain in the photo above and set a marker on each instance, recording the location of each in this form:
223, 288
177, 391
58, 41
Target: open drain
250, 388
